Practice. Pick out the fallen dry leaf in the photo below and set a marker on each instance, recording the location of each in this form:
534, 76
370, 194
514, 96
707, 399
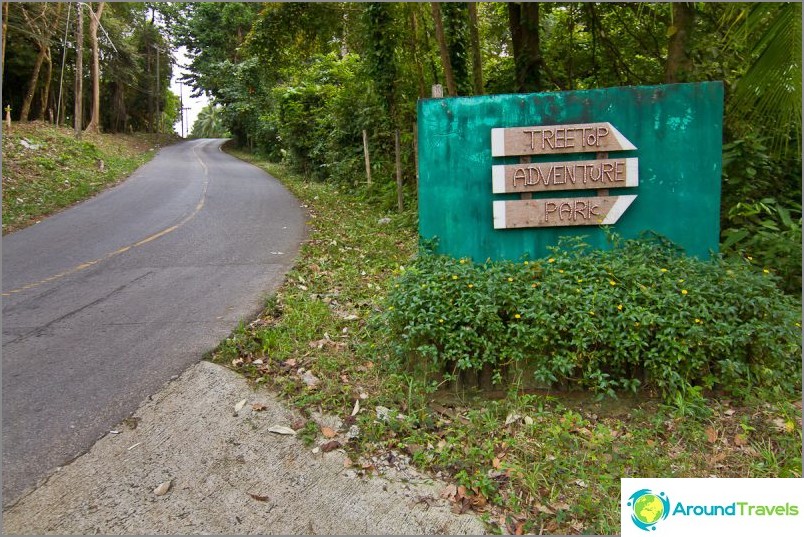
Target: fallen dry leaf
163, 488
259, 498
511, 418
495, 463
257, 407
239, 406
326, 447
740, 440
356, 408
449, 492
281, 429
328, 432
711, 435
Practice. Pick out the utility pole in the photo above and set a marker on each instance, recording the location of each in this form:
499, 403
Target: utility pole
181, 107
79, 68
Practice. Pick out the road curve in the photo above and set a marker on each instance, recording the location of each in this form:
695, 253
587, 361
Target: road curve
105, 302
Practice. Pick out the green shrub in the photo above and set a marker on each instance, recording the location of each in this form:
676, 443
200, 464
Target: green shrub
767, 234
639, 314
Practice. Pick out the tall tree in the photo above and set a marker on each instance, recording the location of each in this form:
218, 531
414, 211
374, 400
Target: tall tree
443, 49
94, 22
41, 21
5, 32
477, 62
456, 31
79, 72
679, 62
523, 19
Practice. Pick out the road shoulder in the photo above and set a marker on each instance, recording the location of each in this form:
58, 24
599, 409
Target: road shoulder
227, 474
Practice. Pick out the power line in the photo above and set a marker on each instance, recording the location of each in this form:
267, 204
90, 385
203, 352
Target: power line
102, 28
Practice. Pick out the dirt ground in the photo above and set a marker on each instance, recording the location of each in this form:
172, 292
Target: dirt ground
227, 474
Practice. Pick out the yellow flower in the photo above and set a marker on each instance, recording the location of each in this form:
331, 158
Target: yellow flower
749, 258
766, 271
664, 270
454, 277
636, 324
798, 324
517, 316
683, 291
471, 285
390, 307
463, 261
612, 282
526, 263
698, 321
561, 271
680, 280
441, 320
510, 279
534, 285
551, 260
580, 280
591, 313
619, 307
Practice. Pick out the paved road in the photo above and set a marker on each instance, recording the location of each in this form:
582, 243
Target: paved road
105, 302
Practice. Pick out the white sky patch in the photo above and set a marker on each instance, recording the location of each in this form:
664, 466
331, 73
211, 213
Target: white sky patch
192, 104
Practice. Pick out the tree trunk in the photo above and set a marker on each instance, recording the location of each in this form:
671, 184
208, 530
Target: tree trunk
679, 63
46, 87
5, 31
523, 20
78, 120
414, 27
32, 82
442, 47
94, 21
474, 37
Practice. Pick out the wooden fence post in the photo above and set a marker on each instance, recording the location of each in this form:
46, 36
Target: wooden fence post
366, 157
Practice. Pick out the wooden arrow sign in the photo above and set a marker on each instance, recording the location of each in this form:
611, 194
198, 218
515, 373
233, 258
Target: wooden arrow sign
592, 211
554, 139
573, 175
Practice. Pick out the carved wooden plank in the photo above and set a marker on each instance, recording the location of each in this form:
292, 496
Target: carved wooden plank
572, 175
554, 212
556, 139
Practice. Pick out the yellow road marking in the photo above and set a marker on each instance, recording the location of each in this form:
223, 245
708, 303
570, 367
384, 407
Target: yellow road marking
124, 249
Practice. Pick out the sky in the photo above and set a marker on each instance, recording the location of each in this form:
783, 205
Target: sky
194, 104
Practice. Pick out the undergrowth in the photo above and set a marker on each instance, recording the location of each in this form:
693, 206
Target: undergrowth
525, 460
640, 314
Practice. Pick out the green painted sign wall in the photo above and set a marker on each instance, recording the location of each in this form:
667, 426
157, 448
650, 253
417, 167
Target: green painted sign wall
677, 131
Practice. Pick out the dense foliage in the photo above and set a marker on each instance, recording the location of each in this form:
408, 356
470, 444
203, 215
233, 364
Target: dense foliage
638, 315
300, 82
133, 39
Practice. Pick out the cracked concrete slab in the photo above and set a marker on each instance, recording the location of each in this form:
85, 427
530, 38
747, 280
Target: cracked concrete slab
227, 474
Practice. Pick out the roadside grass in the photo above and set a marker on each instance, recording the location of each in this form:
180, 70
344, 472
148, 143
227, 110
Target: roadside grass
526, 461
57, 171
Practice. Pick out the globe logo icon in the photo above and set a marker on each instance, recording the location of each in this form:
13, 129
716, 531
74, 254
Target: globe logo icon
648, 508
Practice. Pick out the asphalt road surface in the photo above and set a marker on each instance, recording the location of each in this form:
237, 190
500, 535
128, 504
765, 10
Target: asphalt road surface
105, 302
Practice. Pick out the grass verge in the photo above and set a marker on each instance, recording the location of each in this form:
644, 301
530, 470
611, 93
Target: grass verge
526, 462
45, 169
